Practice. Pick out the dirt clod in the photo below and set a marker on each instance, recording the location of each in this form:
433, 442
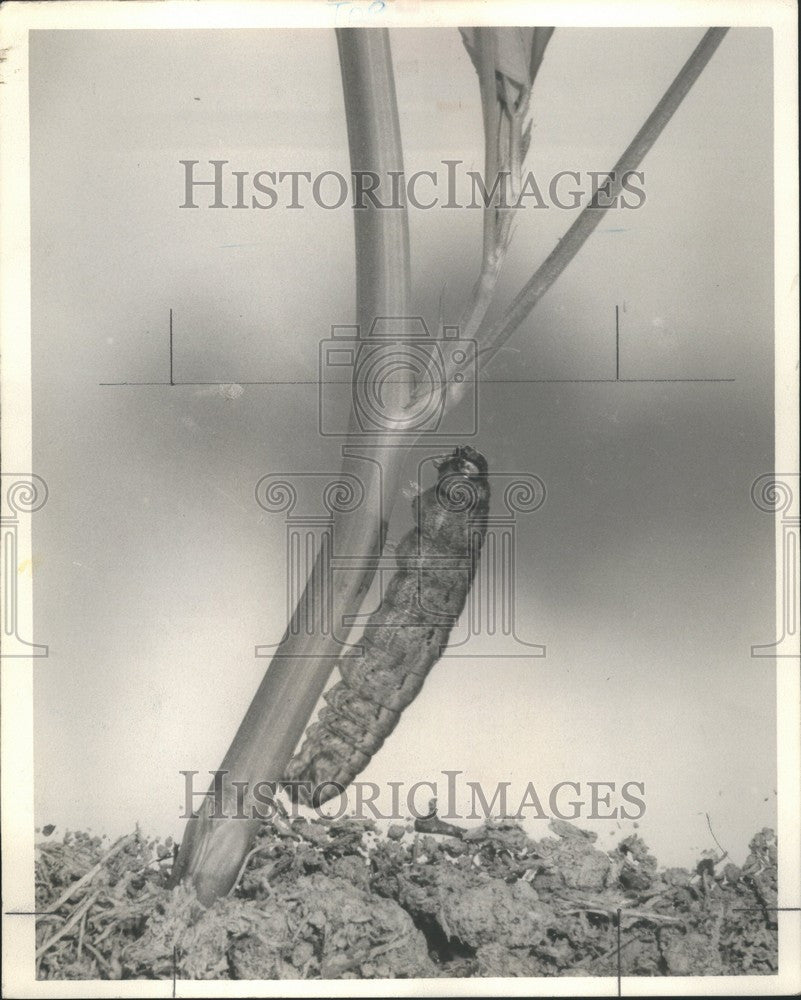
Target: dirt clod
340, 899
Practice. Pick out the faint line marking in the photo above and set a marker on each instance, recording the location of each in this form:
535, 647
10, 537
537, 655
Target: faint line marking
484, 381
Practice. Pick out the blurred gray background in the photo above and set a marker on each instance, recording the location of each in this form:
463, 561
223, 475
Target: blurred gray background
648, 574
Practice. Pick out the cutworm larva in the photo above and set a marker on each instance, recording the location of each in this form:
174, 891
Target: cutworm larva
405, 636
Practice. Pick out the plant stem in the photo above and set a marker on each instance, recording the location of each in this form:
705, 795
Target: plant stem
213, 849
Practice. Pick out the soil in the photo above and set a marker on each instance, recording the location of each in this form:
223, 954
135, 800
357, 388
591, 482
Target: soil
342, 900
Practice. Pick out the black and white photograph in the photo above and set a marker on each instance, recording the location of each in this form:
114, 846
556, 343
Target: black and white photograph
400, 499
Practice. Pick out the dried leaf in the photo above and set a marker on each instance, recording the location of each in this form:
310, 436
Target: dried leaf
538, 45
518, 52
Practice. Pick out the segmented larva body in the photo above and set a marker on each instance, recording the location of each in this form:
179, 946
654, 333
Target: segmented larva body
404, 638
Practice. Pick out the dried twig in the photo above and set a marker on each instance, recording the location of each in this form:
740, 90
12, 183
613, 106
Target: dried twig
611, 911
433, 824
98, 957
81, 930
248, 856
723, 853
87, 878
616, 950
77, 915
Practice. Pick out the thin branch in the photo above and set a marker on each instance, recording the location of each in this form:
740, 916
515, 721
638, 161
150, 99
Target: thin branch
724, 853
490, 341
592, 214
243, 866
610, 910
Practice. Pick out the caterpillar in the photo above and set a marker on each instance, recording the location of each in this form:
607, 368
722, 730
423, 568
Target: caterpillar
436, 562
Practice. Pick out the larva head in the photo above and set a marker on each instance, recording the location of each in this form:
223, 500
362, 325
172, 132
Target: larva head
465, 461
